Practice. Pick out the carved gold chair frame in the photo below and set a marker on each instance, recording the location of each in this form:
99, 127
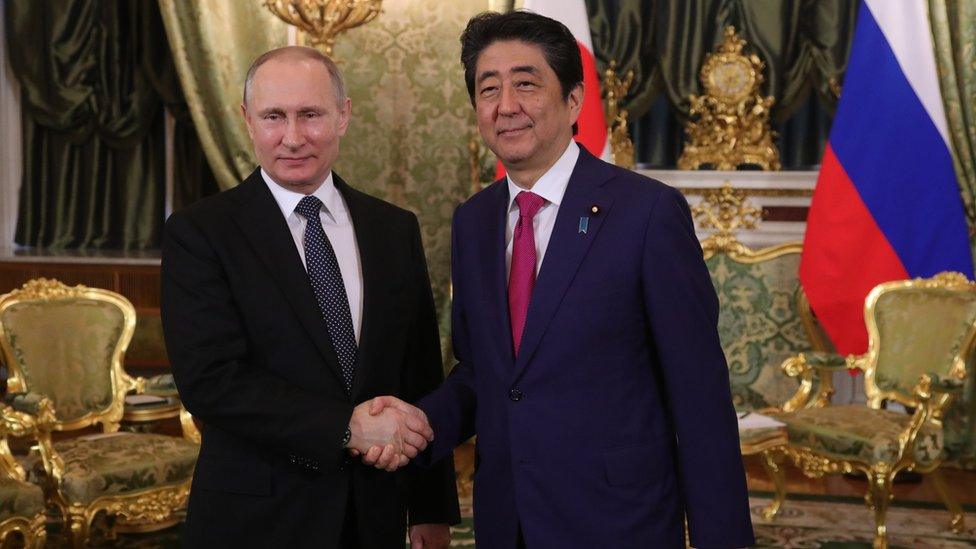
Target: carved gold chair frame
139, 511
929, 399
30, 529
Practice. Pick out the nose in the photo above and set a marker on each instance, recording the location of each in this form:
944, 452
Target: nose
507, 102
293, 137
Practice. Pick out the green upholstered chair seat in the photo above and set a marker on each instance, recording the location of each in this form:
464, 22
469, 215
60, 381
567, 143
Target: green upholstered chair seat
122, 463
748, 437
759, 326
856, 432
20, 499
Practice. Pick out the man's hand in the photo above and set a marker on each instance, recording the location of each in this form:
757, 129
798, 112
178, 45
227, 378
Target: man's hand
430, 536
387, 438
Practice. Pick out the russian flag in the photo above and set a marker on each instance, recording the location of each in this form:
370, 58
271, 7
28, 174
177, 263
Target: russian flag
886, 205
592, 122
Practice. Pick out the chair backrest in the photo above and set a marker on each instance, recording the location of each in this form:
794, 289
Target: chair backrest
67, 343
759, 322
917, 327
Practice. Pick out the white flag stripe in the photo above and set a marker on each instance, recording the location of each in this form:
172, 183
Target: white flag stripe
905, 25
569, 13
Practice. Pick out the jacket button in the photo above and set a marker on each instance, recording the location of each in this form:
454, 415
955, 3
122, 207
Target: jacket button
515, 395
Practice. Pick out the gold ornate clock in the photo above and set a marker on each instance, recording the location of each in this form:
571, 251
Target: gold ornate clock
730, 122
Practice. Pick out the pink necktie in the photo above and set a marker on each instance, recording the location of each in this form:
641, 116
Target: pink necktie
521, 278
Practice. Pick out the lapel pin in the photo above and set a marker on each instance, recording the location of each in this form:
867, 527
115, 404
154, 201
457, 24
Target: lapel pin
584, 223
595, 209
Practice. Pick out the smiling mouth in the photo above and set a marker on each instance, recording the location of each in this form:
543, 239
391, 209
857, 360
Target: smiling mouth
513, 131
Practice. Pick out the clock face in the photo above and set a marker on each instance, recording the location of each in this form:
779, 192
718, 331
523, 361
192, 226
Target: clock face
730, 78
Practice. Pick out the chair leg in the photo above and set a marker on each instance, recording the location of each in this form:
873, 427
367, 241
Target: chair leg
878, 497
955, 510
773, 462
79, 530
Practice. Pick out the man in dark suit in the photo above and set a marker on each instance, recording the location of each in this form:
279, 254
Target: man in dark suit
584, 323
287, 301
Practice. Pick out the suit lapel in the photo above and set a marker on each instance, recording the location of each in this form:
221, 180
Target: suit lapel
371, 257
566, 250
491, 244
261, 222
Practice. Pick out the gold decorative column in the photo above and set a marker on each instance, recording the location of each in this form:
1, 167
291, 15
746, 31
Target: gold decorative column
324, 20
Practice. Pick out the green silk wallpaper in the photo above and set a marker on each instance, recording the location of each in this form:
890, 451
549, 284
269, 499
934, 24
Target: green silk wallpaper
411, 118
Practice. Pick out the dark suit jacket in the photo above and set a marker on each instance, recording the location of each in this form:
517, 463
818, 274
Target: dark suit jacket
616, 419
253, 360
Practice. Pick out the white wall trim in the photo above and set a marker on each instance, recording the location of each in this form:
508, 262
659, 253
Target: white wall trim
11, 161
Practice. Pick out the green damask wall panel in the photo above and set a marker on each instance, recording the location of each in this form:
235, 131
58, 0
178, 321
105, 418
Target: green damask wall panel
412, 120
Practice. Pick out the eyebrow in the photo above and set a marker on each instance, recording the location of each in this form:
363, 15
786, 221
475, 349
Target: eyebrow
301, 110
530, 69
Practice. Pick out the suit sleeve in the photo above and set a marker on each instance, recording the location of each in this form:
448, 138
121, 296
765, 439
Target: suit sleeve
208, 350
451, 408
683, 311
432, 491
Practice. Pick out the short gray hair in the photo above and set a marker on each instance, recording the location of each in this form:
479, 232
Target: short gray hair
298, 52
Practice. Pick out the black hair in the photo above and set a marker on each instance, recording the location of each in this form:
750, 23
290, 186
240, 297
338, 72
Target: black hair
558, 45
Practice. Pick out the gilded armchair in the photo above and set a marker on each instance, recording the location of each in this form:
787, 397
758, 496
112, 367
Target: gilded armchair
64, 345
921, 335
22, 509
764, 318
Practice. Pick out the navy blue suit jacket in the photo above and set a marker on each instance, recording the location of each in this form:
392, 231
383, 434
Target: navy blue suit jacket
616, 418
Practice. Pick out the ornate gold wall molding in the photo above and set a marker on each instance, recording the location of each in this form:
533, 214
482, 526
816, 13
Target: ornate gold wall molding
726, 210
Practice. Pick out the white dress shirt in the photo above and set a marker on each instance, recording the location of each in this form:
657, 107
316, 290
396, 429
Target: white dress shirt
551, 186
337, 226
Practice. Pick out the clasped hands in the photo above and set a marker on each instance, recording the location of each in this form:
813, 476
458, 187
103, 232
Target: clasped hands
387, 432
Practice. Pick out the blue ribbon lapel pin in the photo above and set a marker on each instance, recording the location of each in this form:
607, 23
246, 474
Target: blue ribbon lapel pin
583, 224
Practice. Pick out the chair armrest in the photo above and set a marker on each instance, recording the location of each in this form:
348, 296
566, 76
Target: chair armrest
946, 384
815, 366
827, 361
28, 403
162, 385
26, 413
816, 363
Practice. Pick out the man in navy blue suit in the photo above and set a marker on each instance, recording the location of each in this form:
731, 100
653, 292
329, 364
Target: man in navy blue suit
584, 324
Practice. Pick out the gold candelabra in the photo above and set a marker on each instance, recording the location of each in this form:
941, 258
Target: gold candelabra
324, 20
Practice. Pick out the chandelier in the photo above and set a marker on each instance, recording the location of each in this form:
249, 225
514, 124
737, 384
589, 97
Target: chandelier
324, 20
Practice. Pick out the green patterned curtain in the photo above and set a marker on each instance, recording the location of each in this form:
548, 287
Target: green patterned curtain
93, 125
213, 45
192, 177
954, 32
804, 44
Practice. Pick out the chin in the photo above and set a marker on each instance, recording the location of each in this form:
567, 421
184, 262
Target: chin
511, 155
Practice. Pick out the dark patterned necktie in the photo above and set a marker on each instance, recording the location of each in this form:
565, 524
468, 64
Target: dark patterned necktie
330, 292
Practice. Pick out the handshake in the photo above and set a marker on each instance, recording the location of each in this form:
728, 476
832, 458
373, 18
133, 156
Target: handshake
387, 432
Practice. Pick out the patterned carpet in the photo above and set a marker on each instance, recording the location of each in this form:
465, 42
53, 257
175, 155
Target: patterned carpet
822, 522
806, 522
